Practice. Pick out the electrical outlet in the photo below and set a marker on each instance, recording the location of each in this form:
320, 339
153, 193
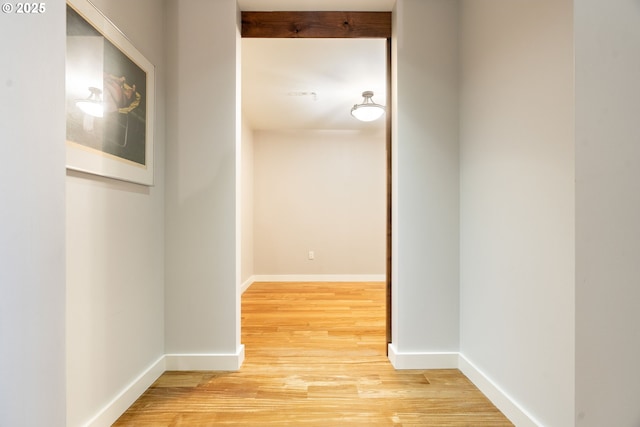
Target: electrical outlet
311, 255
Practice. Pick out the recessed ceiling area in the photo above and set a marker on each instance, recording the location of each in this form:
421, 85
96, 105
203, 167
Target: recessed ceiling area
303, 83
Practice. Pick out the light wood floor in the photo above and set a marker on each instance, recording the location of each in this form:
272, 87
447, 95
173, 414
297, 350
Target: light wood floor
315, 356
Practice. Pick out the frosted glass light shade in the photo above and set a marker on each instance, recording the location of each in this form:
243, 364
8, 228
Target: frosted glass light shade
368, 111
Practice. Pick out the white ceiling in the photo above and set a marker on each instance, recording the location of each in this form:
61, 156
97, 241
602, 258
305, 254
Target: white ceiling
311, 83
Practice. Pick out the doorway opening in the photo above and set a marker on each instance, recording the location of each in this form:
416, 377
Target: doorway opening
359, 27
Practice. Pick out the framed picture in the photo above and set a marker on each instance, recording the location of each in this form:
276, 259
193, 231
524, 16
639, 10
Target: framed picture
109, 99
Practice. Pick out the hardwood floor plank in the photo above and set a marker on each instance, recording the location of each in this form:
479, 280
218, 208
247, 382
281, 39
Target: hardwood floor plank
315, 356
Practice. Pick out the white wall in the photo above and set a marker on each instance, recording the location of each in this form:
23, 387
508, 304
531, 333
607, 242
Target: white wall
246, 209
607, 55
203, 119
320, 191
425, 177
32, 242
115, 254
517, 201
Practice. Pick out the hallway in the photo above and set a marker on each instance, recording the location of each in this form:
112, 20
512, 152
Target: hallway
315, 356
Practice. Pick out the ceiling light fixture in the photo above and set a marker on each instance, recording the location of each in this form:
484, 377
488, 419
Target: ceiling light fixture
93, 104
368, 111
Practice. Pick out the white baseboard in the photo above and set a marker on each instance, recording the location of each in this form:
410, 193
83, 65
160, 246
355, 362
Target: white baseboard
496, 395
319, 278
245, 285
110, 413
401, 360
233, 361
205, 362
170, 362
510, 408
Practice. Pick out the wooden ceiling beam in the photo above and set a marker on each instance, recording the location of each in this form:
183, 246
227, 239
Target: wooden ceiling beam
316, 24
